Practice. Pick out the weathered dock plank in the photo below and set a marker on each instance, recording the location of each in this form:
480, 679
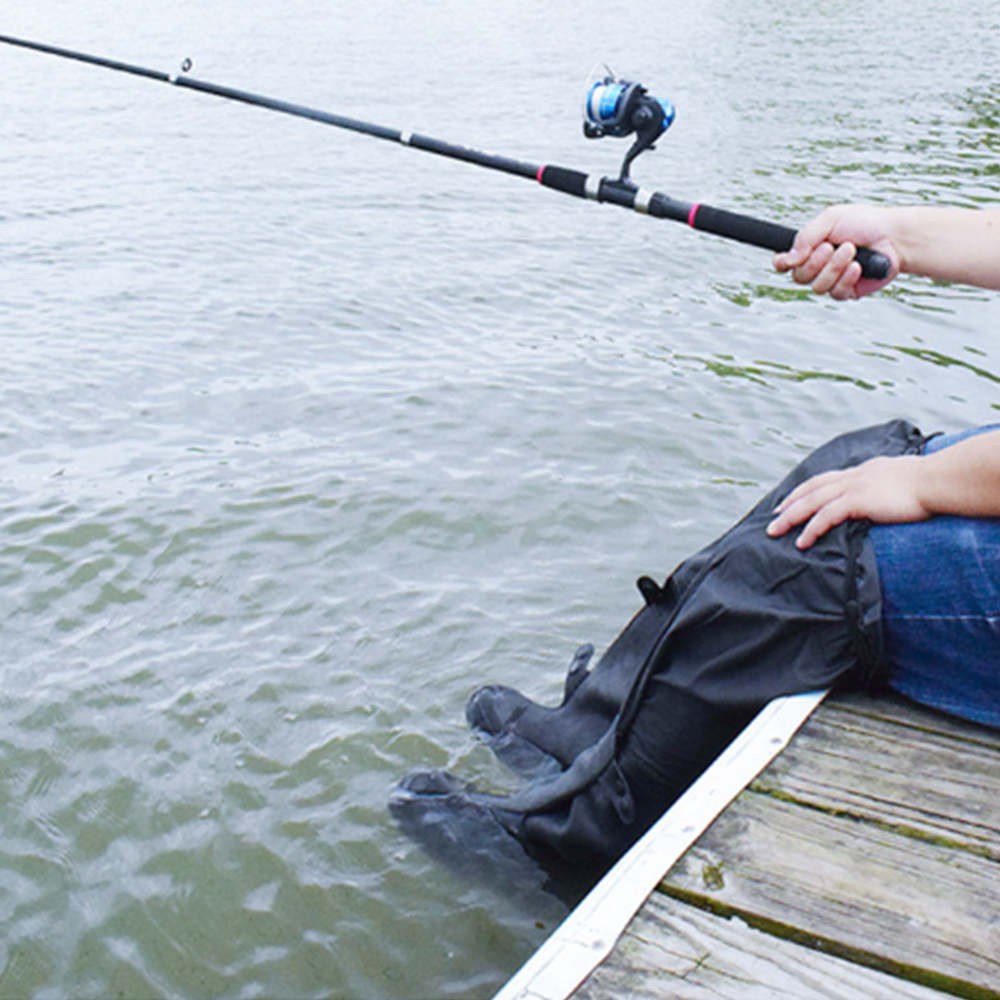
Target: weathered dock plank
894, 764
850, 887
875, 836
675, 951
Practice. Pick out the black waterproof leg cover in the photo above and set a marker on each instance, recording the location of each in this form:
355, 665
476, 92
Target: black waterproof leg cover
675, 736
746, 619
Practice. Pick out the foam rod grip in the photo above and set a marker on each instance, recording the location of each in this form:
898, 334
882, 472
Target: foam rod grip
773, 237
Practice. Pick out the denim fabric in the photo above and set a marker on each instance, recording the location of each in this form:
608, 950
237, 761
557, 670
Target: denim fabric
941, 608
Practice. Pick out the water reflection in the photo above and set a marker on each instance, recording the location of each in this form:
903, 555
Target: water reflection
764, 372
941, 360
979, 126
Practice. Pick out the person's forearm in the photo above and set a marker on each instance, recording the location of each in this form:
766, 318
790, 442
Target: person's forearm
964, 478
949, 244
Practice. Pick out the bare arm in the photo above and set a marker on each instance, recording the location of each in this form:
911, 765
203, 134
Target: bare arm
962, 479
948, 244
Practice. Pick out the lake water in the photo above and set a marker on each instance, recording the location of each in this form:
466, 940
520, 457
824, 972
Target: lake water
304, 436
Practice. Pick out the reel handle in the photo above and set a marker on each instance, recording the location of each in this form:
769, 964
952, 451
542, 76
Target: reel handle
771, 236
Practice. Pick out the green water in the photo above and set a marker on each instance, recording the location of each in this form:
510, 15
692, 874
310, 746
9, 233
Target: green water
303, 436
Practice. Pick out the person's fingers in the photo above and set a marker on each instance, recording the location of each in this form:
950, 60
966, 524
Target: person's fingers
800, 507
827, 517
812, 484
819, 229
819, 241
846, 286
806, 272
788, 260
780, 525
820, 510
802, 248
834, 269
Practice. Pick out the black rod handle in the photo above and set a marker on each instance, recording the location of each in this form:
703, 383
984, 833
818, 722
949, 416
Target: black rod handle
771, 236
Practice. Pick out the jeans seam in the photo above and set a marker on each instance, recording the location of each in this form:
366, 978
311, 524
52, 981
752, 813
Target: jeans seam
944, 617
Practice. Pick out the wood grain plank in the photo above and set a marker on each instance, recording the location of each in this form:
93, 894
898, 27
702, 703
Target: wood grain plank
895, 764
903, 711
676, 951
851, 885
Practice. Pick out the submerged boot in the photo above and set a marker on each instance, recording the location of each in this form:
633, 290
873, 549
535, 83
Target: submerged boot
675, 736
496, 714
532, 739
445, 816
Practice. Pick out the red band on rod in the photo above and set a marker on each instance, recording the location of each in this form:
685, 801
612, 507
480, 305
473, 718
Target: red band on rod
693, 213
538, 176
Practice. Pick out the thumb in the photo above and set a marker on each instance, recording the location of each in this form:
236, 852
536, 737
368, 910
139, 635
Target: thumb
796, 255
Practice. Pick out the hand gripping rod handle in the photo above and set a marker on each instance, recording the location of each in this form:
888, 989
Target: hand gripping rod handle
705, 218
772, 237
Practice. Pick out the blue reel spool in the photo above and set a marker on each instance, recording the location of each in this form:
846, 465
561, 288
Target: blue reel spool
620, 108
611, 106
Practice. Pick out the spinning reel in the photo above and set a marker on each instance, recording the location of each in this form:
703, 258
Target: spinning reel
621, 107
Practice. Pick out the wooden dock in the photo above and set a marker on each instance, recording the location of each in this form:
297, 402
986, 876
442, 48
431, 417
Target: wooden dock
863, 862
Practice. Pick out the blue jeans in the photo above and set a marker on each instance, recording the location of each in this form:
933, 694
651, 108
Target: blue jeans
941, 609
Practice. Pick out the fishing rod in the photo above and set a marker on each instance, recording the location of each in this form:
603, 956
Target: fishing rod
612, 107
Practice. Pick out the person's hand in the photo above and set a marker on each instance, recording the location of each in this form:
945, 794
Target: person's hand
823, 252
884, 490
